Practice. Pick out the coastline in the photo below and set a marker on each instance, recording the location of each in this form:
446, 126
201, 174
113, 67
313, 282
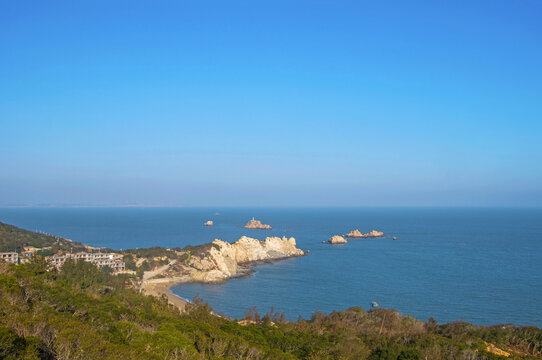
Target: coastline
160, 289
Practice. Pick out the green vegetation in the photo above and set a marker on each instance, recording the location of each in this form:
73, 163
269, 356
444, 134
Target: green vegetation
153, 252
83, 312
200, 250
13, 238
155, 257
129, 262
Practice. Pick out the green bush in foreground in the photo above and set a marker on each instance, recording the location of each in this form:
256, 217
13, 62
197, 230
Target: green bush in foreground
83, 312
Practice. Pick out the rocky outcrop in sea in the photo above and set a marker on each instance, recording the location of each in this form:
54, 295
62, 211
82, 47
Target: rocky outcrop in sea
358, 234
336, 239
257, 224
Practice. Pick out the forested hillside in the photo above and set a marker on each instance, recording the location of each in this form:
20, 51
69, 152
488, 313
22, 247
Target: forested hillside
13, 238
82, 312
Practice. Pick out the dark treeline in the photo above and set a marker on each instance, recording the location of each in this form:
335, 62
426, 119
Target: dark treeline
82, 312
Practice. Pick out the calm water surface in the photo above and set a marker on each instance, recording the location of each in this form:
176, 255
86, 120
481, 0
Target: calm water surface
475, 264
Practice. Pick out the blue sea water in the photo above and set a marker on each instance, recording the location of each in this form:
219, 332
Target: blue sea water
482, 265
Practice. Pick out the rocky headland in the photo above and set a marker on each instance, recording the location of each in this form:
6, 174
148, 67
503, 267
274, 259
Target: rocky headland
257, 224
336, 240
224, 260
355, 234
220, 260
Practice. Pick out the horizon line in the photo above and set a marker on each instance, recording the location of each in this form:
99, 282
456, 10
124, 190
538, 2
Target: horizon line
75, 206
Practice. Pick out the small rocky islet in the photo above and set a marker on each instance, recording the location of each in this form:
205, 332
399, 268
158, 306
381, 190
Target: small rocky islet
354, 234
257, 224
336, 240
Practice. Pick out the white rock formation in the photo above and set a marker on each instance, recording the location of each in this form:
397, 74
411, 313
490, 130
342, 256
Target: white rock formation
257, 224
357, 234
337, 239
375, 233
225, 260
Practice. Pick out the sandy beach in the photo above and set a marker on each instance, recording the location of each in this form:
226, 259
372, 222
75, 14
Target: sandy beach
162, 288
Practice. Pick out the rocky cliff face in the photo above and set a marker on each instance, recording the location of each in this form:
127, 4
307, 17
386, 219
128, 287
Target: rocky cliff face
224, 260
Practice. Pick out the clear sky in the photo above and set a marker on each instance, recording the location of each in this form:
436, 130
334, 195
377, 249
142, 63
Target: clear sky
264, 103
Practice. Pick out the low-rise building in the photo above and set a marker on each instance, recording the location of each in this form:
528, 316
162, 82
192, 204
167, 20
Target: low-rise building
33, 250
29, 251
114, 261
11, 257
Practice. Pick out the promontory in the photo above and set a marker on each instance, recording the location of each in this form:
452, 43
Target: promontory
220, 260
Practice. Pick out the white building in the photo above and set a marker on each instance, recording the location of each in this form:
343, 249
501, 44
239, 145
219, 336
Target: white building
11, 257
114, 261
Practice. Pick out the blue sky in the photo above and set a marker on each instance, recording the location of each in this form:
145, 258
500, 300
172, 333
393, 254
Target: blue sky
271, 103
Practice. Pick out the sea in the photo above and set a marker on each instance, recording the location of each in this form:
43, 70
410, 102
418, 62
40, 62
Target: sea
481, 265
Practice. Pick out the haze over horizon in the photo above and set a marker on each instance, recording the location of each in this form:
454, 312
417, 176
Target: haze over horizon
271, 103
